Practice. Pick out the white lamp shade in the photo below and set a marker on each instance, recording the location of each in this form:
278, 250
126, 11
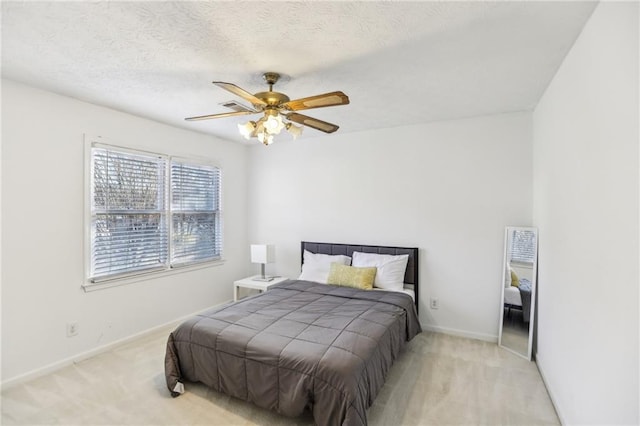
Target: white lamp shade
263, 253
274, 124
294, 130
247, 129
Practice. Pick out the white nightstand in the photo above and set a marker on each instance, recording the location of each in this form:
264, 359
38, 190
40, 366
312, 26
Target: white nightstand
258, 285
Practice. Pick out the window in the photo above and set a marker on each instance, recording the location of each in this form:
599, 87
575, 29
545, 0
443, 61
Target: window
523, 246
194, 212
150, 212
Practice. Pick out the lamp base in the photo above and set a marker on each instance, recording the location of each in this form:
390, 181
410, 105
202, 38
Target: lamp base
263, 279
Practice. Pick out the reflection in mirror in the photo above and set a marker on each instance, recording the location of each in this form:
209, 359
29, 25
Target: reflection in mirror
518, 290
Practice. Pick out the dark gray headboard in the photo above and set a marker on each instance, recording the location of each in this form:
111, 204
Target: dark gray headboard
410, 275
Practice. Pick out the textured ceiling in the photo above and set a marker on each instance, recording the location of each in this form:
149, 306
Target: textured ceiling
401, 63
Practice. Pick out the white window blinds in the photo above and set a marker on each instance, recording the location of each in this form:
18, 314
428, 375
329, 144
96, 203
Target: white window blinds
194, 213
128, 220
134, 228
523, 246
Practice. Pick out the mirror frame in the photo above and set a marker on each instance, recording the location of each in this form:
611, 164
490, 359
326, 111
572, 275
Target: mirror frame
534, 286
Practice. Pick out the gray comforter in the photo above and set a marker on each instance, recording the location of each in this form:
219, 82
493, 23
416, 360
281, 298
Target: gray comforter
299, 345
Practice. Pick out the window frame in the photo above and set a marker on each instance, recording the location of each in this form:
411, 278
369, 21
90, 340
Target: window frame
91, 283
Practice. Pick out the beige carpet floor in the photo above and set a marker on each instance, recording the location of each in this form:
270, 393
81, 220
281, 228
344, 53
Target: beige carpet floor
438, 380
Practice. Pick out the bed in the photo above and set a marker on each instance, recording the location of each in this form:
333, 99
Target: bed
302, 345
519, 298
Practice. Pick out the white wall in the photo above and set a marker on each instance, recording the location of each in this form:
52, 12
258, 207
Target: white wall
42, 231
448, 188
586, 208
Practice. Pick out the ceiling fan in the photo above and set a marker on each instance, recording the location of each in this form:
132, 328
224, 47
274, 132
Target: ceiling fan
276, 107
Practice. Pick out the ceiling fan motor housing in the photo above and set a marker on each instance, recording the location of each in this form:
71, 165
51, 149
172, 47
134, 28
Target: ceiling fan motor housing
272, 98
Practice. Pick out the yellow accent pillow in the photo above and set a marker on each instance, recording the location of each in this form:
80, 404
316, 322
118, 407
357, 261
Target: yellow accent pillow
350, 276
515, 281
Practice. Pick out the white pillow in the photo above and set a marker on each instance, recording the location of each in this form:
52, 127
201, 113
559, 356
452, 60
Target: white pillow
316, 266
391, 269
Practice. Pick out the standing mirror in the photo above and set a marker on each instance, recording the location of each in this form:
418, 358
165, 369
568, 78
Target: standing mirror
518, 290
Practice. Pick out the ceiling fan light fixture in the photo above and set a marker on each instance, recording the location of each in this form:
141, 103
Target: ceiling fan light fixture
247, 129
273, 123
294, 130
265, 138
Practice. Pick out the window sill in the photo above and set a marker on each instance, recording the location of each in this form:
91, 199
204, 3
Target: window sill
132, 279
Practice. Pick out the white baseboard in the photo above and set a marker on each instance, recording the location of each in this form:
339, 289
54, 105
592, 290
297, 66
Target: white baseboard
38, 372
554, 401
460, 333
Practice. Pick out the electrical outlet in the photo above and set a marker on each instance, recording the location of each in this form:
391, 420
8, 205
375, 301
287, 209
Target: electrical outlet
72, 329
433, 303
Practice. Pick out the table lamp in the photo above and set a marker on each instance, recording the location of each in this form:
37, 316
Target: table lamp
263, 254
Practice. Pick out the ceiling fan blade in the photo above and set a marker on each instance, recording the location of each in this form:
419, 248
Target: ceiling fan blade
240, 92
222, 115
318, 101
314, 123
